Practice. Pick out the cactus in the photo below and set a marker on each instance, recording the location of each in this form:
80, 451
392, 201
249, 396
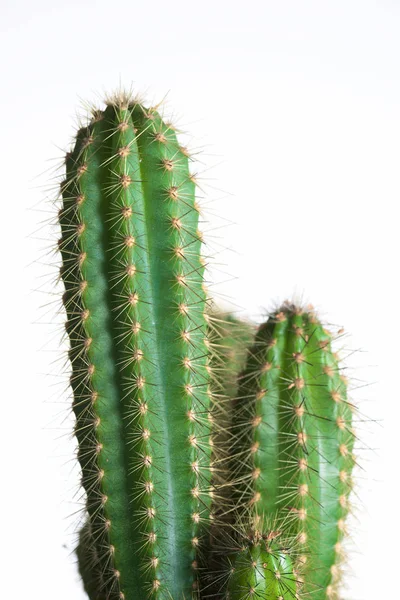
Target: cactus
293, 441
198, 482
261, 568
135, 305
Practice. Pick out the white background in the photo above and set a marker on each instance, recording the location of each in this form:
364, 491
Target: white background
295, 107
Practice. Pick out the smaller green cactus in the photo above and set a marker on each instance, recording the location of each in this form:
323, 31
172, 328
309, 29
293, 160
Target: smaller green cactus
293, 441
262, 568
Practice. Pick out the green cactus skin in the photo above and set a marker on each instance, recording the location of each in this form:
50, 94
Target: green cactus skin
135, 305
293, 441
261, 569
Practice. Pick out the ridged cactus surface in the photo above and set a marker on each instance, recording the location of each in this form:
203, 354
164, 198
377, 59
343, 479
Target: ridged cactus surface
261, 569
293, 441
135, 308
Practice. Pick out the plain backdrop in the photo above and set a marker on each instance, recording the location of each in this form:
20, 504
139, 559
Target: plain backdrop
292, 109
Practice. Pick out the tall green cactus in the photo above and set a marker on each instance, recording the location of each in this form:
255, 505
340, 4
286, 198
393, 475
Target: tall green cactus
135, 307
293, 441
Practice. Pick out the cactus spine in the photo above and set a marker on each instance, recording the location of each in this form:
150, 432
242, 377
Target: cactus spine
135, 307
293, 441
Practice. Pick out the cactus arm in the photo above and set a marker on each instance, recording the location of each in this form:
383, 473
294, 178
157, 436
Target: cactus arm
135, 317
296, 422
